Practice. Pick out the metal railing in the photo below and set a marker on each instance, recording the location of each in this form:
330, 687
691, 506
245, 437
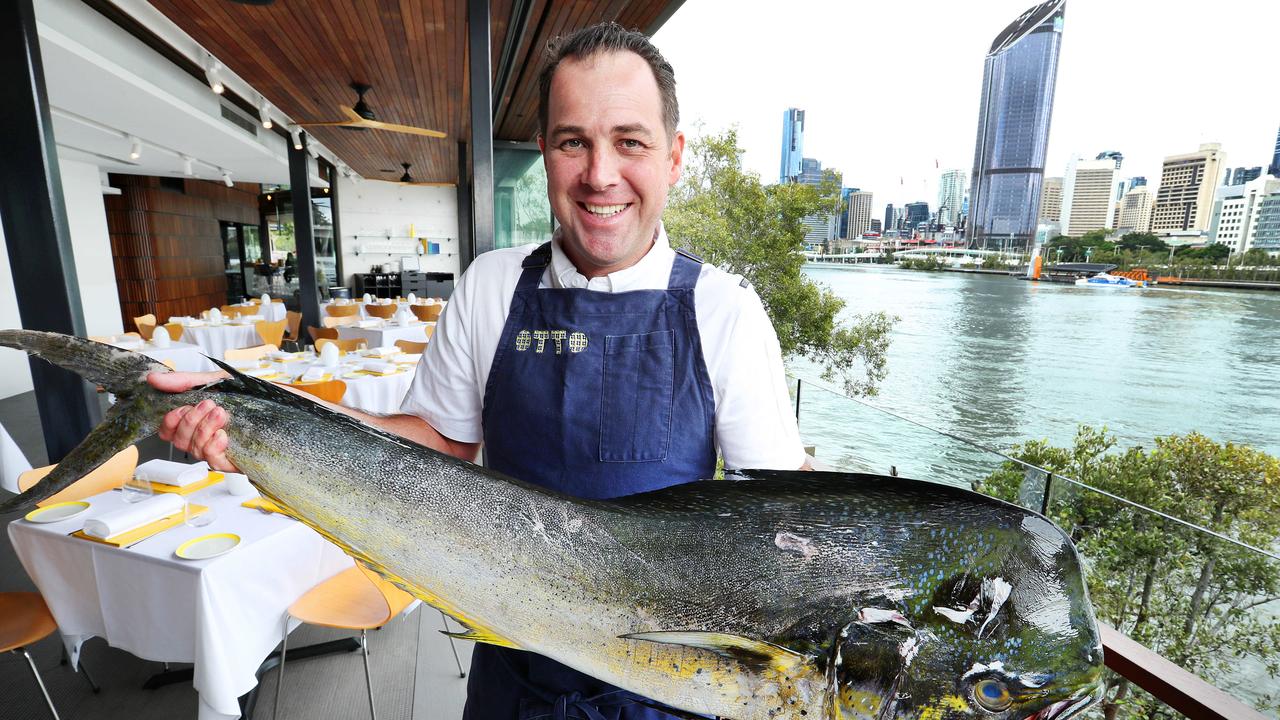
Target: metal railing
819, 408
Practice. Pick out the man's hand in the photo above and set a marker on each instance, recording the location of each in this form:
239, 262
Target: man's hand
195, 429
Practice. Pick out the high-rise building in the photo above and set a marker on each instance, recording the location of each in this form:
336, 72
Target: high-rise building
843, 233
859, 214
1051, 200
917, 212
890, 218
1086, 195
1018, 80
1137, 181
876, 227
951, 196
1135, 210
1243, 216
1111, 155
792, 145
1274, 169
810, 172
1184, 202
1242, 175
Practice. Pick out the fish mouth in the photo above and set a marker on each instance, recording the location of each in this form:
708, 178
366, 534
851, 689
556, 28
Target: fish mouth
1070, 707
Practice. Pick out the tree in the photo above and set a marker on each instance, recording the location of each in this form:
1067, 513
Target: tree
1213, 253
1136, 241
1188, 595
726, 215
1257, 257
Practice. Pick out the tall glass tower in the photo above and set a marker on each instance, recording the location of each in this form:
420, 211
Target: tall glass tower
1274, 168
792, 145
1013, 128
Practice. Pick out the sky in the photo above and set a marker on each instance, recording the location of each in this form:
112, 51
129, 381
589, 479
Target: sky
891, 87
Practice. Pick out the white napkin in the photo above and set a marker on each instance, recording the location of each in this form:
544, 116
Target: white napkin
172, 473
280, 355
266, 299
404, 317
135, 516
409, 358
329, 355
215, 314
314, 373
367, 298
253, 318
127, 342
380, 366
412, 298
192, 322
178, 319
371, 323
160, 338
243, 364
382, 352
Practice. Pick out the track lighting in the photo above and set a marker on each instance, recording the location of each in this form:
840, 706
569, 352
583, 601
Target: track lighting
135, 148
211, 74
188, 166
226, 178
264, 115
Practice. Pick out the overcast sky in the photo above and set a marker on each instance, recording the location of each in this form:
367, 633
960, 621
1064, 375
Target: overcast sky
891, 86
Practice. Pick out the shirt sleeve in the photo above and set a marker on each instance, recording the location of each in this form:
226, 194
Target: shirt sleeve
755, 427
446, 388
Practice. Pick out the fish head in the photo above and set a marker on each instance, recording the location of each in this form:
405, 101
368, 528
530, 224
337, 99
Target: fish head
1010, 635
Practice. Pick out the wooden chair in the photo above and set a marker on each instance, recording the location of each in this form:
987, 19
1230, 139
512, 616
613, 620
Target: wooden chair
345, 346
354, 599
150, 320
427, 313
323, 333
386, 312
25, 620
272, 333
108, 475
410, 346
431, 330
175, 331
331, 390
334, 310
334, 322
250, 353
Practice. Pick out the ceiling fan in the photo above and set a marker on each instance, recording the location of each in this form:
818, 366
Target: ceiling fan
361, 117
407, 179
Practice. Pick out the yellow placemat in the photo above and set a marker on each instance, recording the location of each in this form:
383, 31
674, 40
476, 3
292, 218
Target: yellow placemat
214, 477
125, 539
261, 503
327, 377
377, 374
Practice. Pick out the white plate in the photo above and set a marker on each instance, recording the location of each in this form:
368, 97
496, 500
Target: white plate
58, 512
207, 546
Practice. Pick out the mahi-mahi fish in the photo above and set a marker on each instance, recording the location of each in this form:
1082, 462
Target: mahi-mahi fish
798, 595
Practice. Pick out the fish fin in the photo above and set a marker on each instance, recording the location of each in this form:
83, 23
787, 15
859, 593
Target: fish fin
745, 649
483, 636
122, 372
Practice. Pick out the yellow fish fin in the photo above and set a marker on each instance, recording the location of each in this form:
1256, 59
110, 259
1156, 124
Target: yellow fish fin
744, 649
483, 636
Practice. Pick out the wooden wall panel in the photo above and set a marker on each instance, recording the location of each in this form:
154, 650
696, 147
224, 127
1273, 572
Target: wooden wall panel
167, 245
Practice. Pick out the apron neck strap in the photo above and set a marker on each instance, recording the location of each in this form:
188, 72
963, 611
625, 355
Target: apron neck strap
684, 270
534, 265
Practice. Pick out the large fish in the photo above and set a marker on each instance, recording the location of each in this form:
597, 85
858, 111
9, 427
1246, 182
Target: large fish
786, 595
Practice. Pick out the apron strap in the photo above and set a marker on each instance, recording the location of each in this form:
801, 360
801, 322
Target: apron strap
684, 271
534, 265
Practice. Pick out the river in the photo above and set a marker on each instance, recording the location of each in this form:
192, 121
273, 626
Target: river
1001, 360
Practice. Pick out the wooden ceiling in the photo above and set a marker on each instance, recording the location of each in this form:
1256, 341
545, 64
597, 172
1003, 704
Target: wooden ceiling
303, 57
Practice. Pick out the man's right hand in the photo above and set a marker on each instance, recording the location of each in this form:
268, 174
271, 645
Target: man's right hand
195, 429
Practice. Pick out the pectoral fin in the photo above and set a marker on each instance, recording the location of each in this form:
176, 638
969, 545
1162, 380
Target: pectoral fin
754, 652
484, 637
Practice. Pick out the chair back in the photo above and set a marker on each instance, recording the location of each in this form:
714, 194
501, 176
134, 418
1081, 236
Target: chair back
24, 620
410, 346
148, 319
175, 331
250, 353
146, 330
331, 390
108, 475
426, 313
272, 333
318, 334
345, 346
234, 311
354, 599
339, 321
293, 320
386, 312
335, 310
431, 330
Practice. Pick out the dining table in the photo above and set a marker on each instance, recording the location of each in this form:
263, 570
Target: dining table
215, 339
224, 614
378, 333
272, 312
380, 392
185, 356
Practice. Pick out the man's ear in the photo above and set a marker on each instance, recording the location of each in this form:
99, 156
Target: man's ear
677, 158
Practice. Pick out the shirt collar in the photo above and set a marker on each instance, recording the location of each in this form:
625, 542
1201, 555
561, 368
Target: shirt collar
651, 272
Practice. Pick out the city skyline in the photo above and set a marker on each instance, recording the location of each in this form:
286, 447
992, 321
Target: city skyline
912, 120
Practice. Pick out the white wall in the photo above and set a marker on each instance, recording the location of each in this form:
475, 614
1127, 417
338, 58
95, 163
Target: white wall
91, 246
371, 210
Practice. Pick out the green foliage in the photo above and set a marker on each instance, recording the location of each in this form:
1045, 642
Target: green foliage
1185, 594
928, 262
1136, 241
1213, 253
1087, 248
726, 215
1257, 257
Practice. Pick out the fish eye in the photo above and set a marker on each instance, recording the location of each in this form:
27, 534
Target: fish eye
992, 694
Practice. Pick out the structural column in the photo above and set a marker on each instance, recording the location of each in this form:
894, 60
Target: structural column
480, 72
34, 217
304, 237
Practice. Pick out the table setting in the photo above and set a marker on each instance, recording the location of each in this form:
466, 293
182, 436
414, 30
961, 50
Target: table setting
217, 334
377, 379
182, 564
400, 303
185, 356
271, 310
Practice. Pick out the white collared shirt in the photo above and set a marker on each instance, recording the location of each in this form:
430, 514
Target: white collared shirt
754, 426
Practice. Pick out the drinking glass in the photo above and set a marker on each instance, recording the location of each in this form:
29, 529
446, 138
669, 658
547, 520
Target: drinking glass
136, 489
190, 519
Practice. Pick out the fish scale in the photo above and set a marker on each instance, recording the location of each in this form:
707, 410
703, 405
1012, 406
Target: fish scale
779, 595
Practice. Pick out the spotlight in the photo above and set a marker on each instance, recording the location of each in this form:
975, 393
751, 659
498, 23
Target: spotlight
211, 74
135, 148
188, 166
297, 137
264, 115
226, 178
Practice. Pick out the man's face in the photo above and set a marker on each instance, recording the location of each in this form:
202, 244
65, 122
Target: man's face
609, 161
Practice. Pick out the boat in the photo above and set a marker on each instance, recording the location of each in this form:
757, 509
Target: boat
1106, 280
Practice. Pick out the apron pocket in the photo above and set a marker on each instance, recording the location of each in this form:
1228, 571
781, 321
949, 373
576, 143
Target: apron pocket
639, 384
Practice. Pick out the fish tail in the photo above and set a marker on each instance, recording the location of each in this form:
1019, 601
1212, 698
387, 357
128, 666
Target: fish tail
136, 414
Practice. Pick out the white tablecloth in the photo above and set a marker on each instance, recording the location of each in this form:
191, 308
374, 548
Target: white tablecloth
223, 614
13, 463
381, 394
385, 335
274, 312
216, 340
186, 357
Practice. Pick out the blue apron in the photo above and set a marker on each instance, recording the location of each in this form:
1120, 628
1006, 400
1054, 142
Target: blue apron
595, 395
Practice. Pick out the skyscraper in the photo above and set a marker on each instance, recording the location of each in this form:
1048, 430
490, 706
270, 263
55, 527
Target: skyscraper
1274, 169
1111, 155
1135, 210
1018, 80
1051, 200
1086, 195
951, 196
859, 214
792, 144
1184, 202
1243, 175
889, 217
917, 212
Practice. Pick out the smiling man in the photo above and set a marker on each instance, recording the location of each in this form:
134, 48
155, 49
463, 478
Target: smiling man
599, 364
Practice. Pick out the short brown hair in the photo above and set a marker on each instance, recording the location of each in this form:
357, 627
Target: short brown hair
610, 37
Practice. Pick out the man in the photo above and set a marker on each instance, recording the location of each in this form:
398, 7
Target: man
600, 364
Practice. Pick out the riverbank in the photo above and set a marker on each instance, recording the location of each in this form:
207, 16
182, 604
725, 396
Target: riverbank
1189, 283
